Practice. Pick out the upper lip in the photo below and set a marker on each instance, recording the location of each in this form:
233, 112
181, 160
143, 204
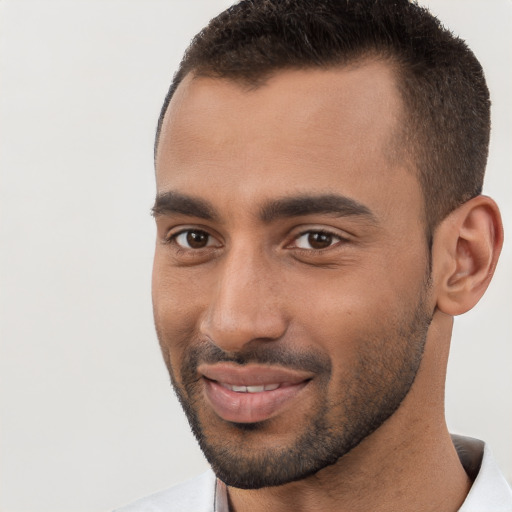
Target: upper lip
252, 374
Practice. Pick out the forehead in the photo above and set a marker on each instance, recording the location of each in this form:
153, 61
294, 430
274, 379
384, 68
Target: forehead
303, 130
317, 99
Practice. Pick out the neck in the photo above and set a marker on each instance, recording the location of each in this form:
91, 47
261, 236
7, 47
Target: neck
408, 463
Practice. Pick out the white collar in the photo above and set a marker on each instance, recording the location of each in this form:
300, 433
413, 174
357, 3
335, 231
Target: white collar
490, 491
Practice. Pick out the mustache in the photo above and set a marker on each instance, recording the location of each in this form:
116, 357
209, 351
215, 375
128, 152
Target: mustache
264, 353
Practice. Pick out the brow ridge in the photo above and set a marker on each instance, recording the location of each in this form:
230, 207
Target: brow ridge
184, 204
295, 206
333, 204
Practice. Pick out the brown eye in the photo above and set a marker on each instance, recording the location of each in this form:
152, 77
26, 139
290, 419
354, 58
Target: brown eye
193, 239
316, 240
319, 240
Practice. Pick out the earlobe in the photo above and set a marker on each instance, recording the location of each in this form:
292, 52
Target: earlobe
465, 252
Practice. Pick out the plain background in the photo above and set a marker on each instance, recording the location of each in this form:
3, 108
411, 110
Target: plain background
88, 418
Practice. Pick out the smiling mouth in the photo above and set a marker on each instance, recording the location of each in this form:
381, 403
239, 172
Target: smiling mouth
252, 393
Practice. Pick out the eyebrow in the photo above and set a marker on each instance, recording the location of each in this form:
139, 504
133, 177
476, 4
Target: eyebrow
328, 204
175, 202
331, 204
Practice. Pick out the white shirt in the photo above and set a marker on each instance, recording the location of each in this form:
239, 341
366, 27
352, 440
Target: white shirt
489, 492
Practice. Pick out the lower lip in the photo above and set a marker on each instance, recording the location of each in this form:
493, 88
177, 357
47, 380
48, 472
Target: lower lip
250, 407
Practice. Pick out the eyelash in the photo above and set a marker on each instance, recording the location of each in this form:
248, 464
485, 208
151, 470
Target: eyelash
172, 239
336, 239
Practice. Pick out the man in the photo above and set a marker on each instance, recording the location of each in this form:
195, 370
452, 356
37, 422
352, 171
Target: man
320, 222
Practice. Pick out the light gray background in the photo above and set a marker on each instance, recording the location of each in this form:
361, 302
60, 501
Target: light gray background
88, 419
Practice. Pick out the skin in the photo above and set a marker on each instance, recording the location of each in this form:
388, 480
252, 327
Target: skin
258, 286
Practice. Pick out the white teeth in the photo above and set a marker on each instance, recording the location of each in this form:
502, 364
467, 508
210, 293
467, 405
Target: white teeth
255, 389
251, 389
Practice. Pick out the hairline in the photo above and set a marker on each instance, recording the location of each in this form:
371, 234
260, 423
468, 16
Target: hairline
259, 79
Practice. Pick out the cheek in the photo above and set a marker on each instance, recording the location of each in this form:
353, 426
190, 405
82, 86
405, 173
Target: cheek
176, 305
350, 312
177, 292
343, 325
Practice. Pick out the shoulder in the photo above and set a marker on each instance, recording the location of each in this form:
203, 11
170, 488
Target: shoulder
195, 495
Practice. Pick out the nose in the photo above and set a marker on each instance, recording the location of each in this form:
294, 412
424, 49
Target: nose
244, 306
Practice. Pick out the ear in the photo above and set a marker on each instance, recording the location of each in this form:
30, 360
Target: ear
465, 252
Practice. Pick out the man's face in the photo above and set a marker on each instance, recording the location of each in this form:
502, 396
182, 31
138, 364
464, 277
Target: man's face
290, 281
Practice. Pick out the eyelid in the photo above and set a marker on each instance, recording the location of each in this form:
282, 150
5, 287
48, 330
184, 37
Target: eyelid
173, 233
331, 232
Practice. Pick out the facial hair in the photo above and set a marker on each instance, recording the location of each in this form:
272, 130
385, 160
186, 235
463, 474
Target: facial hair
370, 391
